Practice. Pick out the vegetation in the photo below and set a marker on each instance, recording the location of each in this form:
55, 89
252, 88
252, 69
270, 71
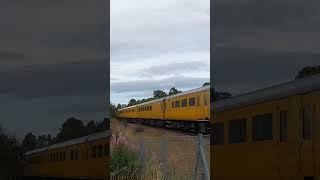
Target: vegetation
308, 71
11, 156
71, 128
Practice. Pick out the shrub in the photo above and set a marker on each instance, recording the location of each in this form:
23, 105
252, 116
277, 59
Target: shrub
139, 129
125, 163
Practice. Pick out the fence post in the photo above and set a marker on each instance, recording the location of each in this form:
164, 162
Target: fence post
204, 163
164, 156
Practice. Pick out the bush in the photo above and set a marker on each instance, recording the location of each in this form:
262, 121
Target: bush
139, 129
125, 163
11, 156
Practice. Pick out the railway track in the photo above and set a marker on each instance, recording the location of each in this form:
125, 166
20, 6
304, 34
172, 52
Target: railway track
171, 129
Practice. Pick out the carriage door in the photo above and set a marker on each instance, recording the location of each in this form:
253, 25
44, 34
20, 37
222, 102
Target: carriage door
306, 146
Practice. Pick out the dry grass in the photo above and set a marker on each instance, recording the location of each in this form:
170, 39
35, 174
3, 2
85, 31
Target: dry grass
181, 155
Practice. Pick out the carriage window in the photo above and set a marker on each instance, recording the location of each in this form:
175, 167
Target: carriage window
94, 152
76, 155
57, 156
177, 103
306, 126
150, 108
237, 131
217, 134
61, 156
198, 101
192, 101
184, 103
205, 100
283, 126
262, 127
172, 104
71, 155
100, 151
64, 155
106, 152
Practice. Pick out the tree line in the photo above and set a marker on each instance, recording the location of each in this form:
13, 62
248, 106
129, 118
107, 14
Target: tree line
72, 128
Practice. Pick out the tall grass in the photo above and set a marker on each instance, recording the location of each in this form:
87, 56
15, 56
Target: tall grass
127, 165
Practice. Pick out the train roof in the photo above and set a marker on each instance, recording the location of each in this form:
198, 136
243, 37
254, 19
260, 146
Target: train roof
91, 137
204, 88
280, 91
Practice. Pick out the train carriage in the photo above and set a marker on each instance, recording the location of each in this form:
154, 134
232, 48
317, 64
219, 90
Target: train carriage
82, 158
187, 110
269, 134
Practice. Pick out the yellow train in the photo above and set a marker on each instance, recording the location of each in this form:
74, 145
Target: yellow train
82, 158
269, 134
188, 110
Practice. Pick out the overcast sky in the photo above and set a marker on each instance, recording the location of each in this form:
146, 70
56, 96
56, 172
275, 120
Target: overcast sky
157, 45
52, 63
262, 43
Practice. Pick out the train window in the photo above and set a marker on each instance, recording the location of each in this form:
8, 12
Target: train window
61, 156
177, 103
150, 108
192, 101
184, 103
283, 126
100, 151
205, 100
218, 134
198, 101
57, 156
76, 154
237, 131
106, 152
64, 155
71, 155
262, 126
306, 125
172, 104
94, 152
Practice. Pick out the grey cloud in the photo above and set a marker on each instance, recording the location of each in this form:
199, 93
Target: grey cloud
163, 84
240, 70
68, 79
176, 68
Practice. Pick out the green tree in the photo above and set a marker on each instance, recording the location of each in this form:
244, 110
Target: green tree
206, 84
308, 71
11, 156
174, 91
159, 94
132, 102
29, 142
71, 128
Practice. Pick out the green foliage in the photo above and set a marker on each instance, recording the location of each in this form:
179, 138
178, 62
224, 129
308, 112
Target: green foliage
174, 91
29, 142
139, 129
308, 71
159, 94
206, 84
218, 95
132, 102
125, 163
11, 156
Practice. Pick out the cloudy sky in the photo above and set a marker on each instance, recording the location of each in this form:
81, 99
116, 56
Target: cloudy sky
157, 45
261, 43
52, 63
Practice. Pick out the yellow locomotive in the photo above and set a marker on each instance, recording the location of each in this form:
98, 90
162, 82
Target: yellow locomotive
188, 110
82, 158
269, 134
